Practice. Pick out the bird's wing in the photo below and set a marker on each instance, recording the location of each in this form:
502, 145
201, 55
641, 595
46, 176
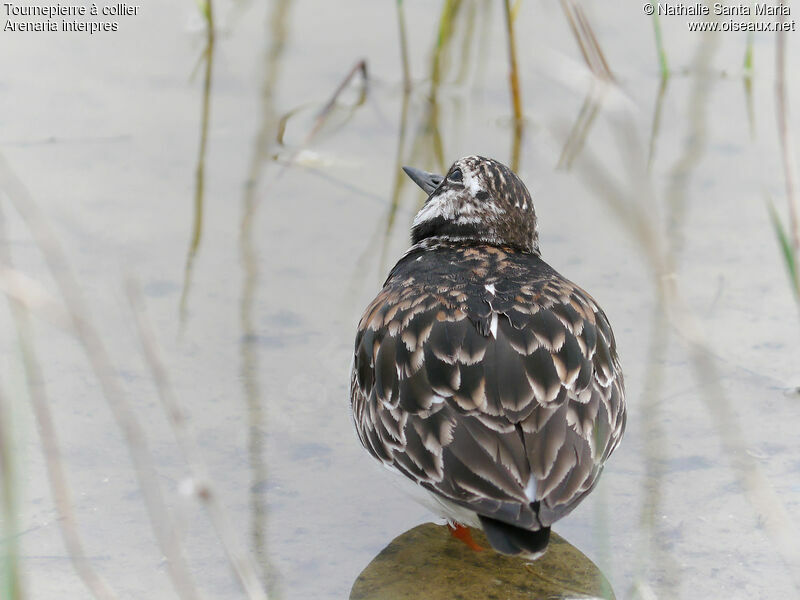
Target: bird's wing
494, 400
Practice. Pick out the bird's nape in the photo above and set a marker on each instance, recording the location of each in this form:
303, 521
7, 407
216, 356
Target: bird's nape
477, 200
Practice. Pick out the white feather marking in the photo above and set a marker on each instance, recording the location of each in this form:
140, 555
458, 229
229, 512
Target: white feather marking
572, 417
490, 288
530, 489
493, 326
443, 205
472, 184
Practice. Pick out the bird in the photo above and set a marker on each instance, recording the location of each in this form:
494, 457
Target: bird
479, 372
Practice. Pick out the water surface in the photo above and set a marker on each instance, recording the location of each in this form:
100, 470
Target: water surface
258, 234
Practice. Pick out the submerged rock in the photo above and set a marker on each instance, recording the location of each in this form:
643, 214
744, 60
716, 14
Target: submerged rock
427, 562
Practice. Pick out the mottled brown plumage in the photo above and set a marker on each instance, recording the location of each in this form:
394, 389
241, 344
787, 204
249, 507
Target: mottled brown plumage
482, 374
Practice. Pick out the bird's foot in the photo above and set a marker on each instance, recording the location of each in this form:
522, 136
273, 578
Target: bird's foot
458, 531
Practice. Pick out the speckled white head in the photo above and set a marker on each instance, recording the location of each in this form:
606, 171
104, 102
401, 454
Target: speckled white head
478, 200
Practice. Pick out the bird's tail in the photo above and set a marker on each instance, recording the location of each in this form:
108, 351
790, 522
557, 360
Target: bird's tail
510, 539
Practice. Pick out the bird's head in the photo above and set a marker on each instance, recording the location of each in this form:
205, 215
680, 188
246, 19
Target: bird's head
480, 200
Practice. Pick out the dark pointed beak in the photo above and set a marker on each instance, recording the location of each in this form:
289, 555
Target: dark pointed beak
427, 181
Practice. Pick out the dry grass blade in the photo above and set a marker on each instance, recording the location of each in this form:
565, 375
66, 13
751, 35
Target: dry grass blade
443, 37
602, 68
203, 489
400, 178
439, 64
513, 76
464, 54
359, 68
516, 144
602, 77
587, 41
401, 25
99, 360
513, 80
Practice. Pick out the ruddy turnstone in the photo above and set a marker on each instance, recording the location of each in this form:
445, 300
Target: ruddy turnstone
482, 374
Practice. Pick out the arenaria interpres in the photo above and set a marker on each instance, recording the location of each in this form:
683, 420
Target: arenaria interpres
482, 374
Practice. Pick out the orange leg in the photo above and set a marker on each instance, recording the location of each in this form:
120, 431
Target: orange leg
458, 531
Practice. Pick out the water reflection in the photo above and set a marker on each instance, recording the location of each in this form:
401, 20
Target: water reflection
582, 125
428, 562
602, 77
657, 571
653, 553
207, 58
664, 244
656, 126
324, 118
676, 194
452, 95
657, 454
249, 357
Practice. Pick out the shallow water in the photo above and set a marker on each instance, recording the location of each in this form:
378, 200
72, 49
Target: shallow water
255, 269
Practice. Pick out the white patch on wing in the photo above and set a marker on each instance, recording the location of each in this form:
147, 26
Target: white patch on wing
490, 288
493, 326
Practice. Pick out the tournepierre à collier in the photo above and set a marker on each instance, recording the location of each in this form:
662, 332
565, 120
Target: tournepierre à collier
480, 373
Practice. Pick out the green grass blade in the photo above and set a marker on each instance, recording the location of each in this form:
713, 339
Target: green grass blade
789, 256
662, 53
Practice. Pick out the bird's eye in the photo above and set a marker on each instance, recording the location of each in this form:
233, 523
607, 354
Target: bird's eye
456, 175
